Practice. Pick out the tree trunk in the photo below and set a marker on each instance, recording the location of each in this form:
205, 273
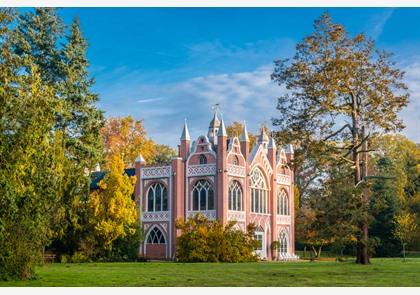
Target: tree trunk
304, 251
403, 251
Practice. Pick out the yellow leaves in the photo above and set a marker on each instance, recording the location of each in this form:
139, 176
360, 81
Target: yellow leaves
405, 226
113, 212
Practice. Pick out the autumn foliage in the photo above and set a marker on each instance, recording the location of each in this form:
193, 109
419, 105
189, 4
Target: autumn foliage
203, 240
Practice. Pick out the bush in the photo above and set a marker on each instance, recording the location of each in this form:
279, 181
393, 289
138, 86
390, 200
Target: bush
210, 241
80, 257
65, 258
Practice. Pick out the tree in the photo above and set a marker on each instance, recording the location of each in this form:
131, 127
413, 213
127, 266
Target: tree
202, 240
163, 153
405, 228
31, 161
335, 78
112, 212
236, 128
128, 138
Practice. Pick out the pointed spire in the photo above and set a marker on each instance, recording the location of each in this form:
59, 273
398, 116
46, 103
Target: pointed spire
185, 132
244, 135
140, 159
289, 149
272, 142
222, 129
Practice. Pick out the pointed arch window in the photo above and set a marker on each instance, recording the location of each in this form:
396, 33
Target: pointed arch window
283, 203
259, 192
202, 196
157, 198
283, 240
155, 236
203, 159
235, 196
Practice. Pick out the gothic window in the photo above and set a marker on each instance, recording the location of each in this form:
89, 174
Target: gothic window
235, 196
283, 242
202, 196
259, 192
155, 236
157, 198
203, 159
283, 203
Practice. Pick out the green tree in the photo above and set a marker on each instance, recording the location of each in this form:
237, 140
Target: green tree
405, 228
236, 128
163, 153
334, 78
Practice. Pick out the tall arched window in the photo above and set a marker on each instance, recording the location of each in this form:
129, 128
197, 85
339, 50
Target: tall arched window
259, 192
155, 236
157, 198
283, 203
203, 159
202, 196
235, 196
260, 237
283, 242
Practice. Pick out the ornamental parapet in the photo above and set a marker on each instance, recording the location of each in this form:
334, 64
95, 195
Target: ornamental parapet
283, 179
155, 216
201, 170
236, 215
235, 170
283, 219
210, 214
155, 172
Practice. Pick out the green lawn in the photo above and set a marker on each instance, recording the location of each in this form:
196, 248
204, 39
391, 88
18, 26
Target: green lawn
382, 272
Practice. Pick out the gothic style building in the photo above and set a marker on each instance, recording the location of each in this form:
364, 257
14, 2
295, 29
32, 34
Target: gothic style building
221, 178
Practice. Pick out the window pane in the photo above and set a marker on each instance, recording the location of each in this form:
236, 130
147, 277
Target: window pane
210, 199
203, 195
195, 200
158, 198
165, 200
150, 199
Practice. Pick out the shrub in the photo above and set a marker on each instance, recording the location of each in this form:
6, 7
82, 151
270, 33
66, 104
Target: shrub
211, 241
80, 257
65, 258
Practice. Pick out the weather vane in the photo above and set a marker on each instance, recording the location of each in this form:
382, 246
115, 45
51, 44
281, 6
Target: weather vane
216, 107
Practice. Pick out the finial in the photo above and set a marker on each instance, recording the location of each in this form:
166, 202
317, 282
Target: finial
140, 159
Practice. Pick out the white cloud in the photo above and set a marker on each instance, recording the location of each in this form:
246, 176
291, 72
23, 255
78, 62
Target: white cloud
377, 22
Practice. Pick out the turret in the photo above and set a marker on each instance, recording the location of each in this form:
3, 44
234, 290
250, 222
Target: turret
263, 137
290, 154
244, 139
184, 147
214, 129
138, 164
222, 185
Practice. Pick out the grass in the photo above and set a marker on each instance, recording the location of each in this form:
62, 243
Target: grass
382, 272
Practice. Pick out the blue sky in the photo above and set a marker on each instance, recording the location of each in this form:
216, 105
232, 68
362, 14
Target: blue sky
166, 64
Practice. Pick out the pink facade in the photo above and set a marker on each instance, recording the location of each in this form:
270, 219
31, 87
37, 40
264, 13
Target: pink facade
221, 178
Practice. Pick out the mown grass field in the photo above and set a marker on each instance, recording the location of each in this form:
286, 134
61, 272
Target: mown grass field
382, 272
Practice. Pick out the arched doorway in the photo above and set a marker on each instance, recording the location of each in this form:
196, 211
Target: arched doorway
155, 244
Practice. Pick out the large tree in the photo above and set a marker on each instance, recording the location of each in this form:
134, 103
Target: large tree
341, 91
31, 160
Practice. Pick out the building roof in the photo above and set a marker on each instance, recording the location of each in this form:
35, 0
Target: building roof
97, 176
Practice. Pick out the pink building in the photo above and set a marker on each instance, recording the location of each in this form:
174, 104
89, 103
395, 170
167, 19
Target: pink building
221, 178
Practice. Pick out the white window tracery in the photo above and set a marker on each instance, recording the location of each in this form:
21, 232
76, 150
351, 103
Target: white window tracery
202, 196
283, 203
157, 198
155, 236
235, 196
283, 240
259, 192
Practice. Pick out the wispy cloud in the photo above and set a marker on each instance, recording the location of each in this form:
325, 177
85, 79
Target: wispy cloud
150, 100
377, 22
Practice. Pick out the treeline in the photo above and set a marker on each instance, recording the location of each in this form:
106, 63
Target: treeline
52, 135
